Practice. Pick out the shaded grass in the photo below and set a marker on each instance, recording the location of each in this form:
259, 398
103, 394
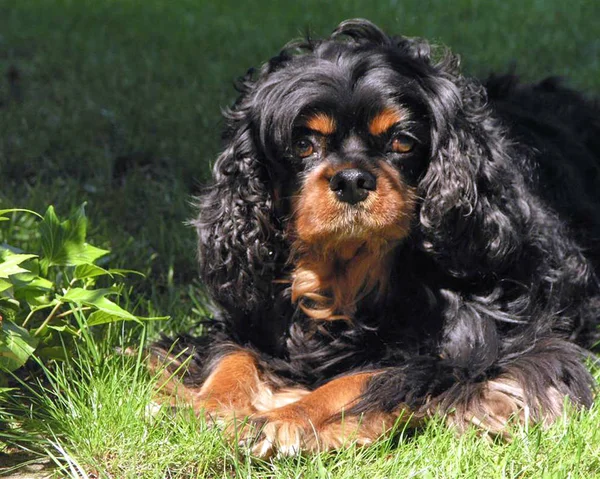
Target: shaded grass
117, 103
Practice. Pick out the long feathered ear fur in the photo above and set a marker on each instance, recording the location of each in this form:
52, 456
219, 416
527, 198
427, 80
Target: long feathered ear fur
238, 243
474, 204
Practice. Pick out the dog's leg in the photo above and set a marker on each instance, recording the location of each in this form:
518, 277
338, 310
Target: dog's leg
322, 420
231, 387
531, 388
235, 388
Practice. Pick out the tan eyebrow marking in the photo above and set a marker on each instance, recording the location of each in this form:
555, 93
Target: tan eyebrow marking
384, 120
321, 123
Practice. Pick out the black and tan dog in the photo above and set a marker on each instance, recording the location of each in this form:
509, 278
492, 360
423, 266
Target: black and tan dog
386, 238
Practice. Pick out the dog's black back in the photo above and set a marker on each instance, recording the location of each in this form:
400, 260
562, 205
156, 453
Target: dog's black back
561, 130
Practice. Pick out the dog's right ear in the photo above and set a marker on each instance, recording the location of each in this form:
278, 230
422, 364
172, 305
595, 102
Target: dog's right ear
238, 244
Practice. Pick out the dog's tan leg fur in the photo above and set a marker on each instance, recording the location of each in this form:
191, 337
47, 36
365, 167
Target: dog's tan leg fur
235, 389
317, 422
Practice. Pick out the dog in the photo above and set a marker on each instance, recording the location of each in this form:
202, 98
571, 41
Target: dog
386, 240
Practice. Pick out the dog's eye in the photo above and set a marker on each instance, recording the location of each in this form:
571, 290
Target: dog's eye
303, 148
402, 144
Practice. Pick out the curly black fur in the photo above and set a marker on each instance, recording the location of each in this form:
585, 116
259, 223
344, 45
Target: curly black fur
499, 272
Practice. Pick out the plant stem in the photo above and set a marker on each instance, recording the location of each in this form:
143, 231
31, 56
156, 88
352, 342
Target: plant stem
54, 310
48, 319
78, 310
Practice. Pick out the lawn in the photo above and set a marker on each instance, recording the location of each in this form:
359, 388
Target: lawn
116, 103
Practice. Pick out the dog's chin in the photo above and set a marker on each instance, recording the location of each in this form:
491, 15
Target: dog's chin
353, 226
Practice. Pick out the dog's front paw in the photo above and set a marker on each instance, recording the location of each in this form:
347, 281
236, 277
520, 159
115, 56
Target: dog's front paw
286, 431
280, 438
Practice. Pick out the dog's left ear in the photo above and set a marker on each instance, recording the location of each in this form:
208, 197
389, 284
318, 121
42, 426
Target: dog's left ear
475, 206
238, 243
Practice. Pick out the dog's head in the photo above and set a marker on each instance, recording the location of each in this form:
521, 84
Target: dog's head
337, 152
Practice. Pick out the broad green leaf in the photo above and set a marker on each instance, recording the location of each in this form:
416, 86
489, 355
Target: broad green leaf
87, 296
57, 353
10, 263
31, 288
88, 270
63, 243
34, 298
4, 285
84, 271
104, 317
31, 281
64, 328
97, 298
16, 346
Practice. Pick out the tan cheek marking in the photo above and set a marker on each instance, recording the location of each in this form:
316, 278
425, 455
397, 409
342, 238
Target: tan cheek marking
384, 120
321, 123
316, 208
394, 203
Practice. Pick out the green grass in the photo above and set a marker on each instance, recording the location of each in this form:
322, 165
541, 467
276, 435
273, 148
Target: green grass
92, 416
117, 103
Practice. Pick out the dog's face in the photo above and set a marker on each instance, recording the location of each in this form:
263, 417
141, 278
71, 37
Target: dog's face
357, 163
346, 131
337, 152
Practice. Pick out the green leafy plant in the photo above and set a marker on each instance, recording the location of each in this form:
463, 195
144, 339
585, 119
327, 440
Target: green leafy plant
55, 294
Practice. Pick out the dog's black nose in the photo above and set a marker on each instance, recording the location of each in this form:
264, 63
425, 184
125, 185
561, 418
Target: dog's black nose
352, 185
